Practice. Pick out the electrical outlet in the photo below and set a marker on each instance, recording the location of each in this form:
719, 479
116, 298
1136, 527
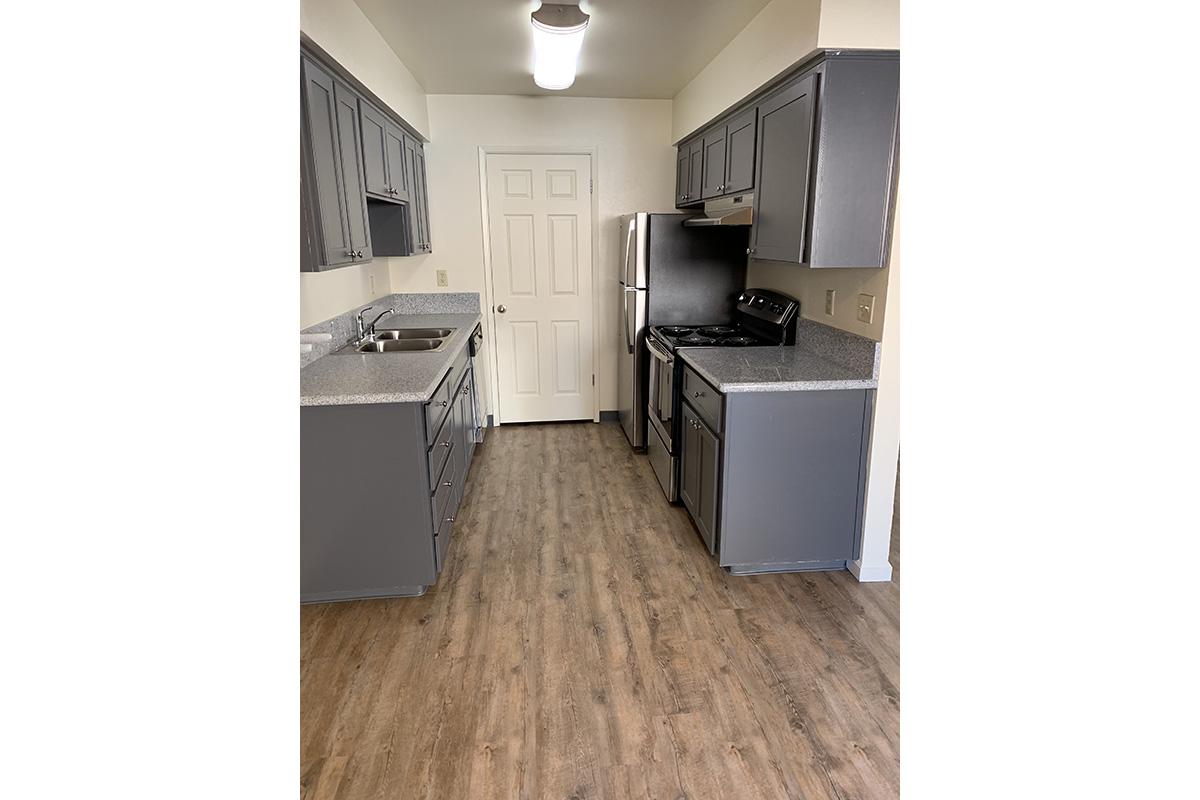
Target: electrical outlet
442, 278
830, 300
866, 308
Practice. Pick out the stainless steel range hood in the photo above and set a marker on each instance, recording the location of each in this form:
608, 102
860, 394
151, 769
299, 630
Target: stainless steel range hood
736, 210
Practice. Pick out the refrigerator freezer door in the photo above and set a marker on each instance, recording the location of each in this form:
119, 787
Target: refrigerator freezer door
631, 366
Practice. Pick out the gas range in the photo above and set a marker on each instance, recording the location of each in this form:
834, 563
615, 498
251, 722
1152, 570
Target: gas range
675, 336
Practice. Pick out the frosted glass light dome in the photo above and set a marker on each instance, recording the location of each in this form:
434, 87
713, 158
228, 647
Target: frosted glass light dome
557, 39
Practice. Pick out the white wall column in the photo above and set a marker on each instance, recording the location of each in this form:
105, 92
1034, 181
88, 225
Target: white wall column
873, 564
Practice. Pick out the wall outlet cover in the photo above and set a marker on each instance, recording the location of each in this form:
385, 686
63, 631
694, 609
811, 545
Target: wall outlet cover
830, 301
442, 278
866, 308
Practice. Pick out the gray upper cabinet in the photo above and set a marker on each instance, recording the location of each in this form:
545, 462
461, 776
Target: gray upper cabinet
785, 126
375, 156
740, 146
818, 149
326, 190
695, 170
713, 182
683, 162
419, 196
350, 154
383, 156
354, 150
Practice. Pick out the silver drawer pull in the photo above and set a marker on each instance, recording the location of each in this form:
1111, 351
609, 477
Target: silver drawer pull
449, 519
447, 483
445, 444
444, 403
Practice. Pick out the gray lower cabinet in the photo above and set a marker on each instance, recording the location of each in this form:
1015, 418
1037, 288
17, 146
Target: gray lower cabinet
380, 487
775, 482
701, 470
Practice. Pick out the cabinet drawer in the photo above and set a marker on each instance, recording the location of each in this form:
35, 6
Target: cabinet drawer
707, 401
439, 451
443, 494
438, 406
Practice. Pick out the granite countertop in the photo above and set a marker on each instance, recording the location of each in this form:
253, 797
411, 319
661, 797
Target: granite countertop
346, 378
773, 369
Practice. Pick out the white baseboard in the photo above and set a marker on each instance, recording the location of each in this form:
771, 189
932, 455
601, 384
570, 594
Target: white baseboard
870, 573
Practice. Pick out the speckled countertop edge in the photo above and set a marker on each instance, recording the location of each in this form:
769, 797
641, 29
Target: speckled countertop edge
350, 379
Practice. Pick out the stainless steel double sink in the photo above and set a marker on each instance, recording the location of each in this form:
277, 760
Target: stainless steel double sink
403, 340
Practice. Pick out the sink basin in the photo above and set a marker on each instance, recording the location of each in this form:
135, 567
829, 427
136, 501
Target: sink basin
398, 345
415, 333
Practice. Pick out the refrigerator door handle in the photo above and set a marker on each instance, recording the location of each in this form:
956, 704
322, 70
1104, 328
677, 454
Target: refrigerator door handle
630, 280
625, 313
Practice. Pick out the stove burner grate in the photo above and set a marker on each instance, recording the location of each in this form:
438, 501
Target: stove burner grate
717, 330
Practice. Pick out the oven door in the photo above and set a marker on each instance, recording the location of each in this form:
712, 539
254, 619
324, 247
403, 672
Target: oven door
660, 403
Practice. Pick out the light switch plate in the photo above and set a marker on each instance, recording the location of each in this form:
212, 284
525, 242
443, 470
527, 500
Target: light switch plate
866, 308
830, 301
442, 278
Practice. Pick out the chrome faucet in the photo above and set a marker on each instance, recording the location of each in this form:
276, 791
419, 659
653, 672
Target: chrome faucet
368, 332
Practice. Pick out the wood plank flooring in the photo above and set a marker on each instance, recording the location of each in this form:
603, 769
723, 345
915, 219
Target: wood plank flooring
581, 643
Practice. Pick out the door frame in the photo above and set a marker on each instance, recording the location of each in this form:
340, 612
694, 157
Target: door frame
489, 291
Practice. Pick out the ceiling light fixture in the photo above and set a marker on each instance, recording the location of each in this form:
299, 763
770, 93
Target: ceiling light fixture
557, 37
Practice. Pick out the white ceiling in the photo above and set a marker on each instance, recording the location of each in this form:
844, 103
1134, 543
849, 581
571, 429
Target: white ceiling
633, 48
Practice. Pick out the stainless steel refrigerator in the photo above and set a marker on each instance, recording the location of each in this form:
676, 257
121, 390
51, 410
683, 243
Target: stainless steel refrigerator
669, 275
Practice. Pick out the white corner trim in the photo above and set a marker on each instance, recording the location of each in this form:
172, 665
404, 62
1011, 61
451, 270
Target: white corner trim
870, 573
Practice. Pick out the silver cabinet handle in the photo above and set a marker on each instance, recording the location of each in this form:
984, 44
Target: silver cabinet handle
350, 253
501, 308
466, 391
697, 394
749, 251
449, 519
443, 403
446, 444
447, 483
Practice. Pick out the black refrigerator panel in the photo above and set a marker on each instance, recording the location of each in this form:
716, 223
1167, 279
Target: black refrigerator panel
695, 274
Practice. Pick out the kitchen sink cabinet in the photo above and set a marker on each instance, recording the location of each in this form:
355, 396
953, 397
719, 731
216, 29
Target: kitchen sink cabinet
380, 487
776, 484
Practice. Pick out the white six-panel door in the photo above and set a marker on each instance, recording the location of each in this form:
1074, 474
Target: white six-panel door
540, 232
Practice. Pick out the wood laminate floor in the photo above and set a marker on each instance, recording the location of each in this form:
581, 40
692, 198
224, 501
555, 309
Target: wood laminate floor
582, 644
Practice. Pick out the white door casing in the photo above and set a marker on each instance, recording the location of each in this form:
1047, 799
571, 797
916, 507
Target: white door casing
540, 245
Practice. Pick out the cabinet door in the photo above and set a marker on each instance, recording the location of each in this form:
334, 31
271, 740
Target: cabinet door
689, 462
683, 161
708, 446
420, 198
739, 146
393, 141
321, 125
375, 155
785, 127
695, 171
712, 184
350, 160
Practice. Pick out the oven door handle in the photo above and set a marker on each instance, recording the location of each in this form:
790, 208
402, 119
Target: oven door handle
655, 351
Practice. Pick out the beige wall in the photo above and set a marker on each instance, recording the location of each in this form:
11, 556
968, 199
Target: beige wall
780, 35
859, 23
327, 294
635, 172
343, 31
809, 285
